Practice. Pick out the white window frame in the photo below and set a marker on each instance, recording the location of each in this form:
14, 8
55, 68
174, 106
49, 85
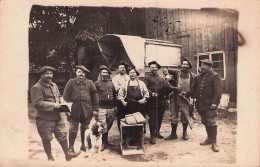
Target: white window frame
210, 57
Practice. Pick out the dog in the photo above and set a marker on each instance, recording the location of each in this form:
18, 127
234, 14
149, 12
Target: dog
94, 137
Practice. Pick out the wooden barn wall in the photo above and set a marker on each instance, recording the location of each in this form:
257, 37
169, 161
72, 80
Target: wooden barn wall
199, 31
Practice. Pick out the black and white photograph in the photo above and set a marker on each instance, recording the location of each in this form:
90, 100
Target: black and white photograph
132, 85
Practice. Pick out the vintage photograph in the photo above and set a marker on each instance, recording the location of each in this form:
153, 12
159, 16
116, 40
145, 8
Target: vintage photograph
132, 84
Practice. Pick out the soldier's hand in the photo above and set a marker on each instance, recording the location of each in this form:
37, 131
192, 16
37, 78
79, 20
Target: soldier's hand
95, 115
124, 103
213, 107
68, 116
183, 94
57, 105
142, 101
154, 94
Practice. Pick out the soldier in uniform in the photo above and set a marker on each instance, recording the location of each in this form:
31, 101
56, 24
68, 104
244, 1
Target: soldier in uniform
83, 93
156, 104
107, 100
207, 91
120, 80
184, 78
45, 98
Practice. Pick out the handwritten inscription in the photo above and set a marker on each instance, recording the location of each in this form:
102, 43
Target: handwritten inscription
164, 24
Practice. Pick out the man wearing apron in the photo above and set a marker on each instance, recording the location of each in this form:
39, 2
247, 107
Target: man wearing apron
184, 79
133, 97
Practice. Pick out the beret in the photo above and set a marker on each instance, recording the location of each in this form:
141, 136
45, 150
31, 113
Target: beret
154, 62
207, 62
45, 68
133, 68
81, 67
102, 67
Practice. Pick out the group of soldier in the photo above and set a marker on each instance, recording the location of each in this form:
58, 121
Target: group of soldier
124, 94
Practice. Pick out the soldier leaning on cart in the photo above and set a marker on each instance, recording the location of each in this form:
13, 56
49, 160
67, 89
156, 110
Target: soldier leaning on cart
45, 98
119, 80
184, 79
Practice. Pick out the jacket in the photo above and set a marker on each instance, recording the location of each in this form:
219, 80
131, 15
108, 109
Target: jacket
44, 95
107, 94
84, 96
207, 90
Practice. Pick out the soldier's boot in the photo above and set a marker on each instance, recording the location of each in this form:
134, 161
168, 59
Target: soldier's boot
173, 134
157, 131
68, 154
208, 141
47, 149
82, 135
72, 138
184, 134
213, 130
152, 133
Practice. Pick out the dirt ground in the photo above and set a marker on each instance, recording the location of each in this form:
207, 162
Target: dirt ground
178, 152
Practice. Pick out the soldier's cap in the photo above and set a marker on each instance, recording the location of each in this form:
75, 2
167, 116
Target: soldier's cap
103, 67
133, 68
45, 68
81, 67
207, 62
186, 59
154, 62
124, 64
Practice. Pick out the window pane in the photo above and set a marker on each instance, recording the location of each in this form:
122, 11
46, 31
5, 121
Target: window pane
218, 63
217, 56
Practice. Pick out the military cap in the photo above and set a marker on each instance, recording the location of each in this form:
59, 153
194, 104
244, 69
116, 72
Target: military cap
81, 67
124, 64
186, 59
207, 62
102, 67
133, 68
45, 68
154, 62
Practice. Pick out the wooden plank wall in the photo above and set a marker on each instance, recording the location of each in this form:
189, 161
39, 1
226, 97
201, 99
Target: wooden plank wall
204, 30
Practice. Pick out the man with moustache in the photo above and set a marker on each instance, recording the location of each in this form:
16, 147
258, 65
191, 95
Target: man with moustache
207, 91
155, 106
45, 98
184, 78
83, 93
120, 80
107, 100
133, 95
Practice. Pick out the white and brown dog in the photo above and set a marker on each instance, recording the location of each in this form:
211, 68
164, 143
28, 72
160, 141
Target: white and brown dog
94, 137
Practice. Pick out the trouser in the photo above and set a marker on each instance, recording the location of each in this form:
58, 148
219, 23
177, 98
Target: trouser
155, 109
47, 128
106, 117
209, 119
73, 130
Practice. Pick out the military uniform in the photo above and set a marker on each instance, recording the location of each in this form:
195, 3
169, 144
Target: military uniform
207, 91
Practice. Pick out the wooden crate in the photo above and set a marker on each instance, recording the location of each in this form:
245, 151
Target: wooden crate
131, 138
